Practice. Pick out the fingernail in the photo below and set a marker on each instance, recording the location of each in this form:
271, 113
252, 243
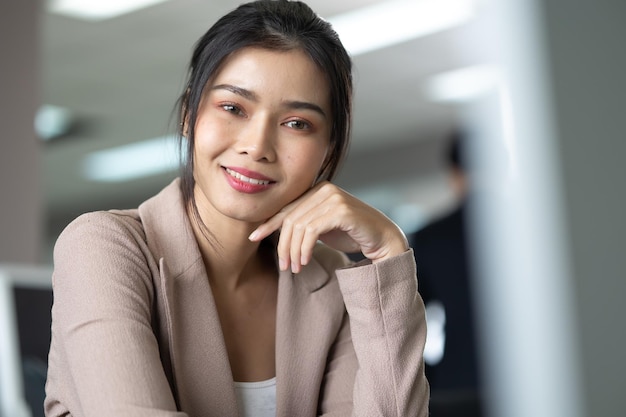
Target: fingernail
282, 265
253, 235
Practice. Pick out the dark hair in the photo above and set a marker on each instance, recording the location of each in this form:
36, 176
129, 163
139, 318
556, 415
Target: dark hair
276, 25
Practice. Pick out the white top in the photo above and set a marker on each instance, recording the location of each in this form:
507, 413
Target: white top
256, 399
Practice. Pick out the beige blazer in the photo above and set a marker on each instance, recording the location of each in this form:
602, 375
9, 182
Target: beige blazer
135, 330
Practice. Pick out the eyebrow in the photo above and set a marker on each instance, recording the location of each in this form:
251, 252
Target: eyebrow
247, 94
252, 96
305, 105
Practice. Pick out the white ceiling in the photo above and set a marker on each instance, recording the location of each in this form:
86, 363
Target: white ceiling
121, 78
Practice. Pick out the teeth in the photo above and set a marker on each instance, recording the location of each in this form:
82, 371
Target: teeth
246, 179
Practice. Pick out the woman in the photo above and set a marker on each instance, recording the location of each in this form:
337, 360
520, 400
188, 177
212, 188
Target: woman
214, 298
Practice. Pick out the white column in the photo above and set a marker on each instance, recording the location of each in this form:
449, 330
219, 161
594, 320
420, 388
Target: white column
526, 294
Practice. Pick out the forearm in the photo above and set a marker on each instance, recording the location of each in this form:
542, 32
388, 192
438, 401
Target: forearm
388, 331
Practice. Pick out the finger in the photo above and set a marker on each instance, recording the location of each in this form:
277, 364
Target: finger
270, 226
294, 227
309, 240
283, 248
297, 228
275, 222
306, 231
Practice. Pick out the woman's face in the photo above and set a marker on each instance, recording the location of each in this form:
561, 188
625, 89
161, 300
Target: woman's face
262, 134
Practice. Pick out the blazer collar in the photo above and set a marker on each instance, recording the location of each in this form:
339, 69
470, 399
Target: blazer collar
168, 230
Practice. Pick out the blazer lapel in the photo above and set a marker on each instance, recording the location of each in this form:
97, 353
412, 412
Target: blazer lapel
202, 371
309, 315
190, 330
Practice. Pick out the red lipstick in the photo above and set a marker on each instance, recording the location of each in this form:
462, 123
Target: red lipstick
247, 181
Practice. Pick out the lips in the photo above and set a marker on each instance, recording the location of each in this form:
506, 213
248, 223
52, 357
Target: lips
260, 180
247, 181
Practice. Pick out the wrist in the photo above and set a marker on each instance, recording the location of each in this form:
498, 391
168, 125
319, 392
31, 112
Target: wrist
395, 248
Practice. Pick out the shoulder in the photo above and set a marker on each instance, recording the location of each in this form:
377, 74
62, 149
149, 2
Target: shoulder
103, 225
101, 253
101, 238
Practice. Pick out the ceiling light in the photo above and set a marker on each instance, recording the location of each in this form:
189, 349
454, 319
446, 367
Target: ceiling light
97, 9
52, 122
136, 160
391, 22
463, 84
472, 83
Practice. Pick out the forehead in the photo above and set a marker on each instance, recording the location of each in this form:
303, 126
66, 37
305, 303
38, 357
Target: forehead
292, 74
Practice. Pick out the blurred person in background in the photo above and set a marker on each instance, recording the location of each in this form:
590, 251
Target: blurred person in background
215, 298
445, 284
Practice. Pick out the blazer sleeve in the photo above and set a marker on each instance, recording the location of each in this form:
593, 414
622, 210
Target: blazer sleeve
387, 329
104, 357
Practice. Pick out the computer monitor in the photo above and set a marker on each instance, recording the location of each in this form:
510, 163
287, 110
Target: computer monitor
25, 319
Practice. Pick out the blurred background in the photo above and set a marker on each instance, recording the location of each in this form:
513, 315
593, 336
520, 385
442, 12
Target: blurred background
532, 90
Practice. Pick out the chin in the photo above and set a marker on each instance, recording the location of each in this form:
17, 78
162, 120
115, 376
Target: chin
253, 215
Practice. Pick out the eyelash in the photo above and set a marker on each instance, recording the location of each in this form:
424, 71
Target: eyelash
232, 108
305, 125
235, 109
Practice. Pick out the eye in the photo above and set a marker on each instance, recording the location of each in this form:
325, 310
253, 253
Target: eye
232, 108
298, 124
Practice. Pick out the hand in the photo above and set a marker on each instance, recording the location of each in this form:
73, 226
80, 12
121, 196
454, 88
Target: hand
328, 213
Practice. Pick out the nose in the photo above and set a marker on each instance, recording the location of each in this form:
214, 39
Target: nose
258, 140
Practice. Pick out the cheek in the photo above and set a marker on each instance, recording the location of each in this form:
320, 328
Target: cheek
209, 140
308, 161
205, 150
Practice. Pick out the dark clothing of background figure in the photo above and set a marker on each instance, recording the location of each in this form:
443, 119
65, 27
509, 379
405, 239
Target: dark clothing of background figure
443, 272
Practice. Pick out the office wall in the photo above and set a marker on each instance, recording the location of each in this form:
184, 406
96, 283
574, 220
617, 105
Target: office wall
20, 171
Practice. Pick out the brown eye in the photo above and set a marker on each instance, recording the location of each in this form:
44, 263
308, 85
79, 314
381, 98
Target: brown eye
231, 108
298, 125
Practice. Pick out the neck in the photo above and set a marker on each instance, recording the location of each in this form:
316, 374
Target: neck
230, 258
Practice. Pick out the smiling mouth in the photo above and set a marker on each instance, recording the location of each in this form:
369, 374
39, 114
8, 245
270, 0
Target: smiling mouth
243, 178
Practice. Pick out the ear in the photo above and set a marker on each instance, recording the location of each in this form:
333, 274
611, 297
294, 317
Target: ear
183, 127
184, 115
